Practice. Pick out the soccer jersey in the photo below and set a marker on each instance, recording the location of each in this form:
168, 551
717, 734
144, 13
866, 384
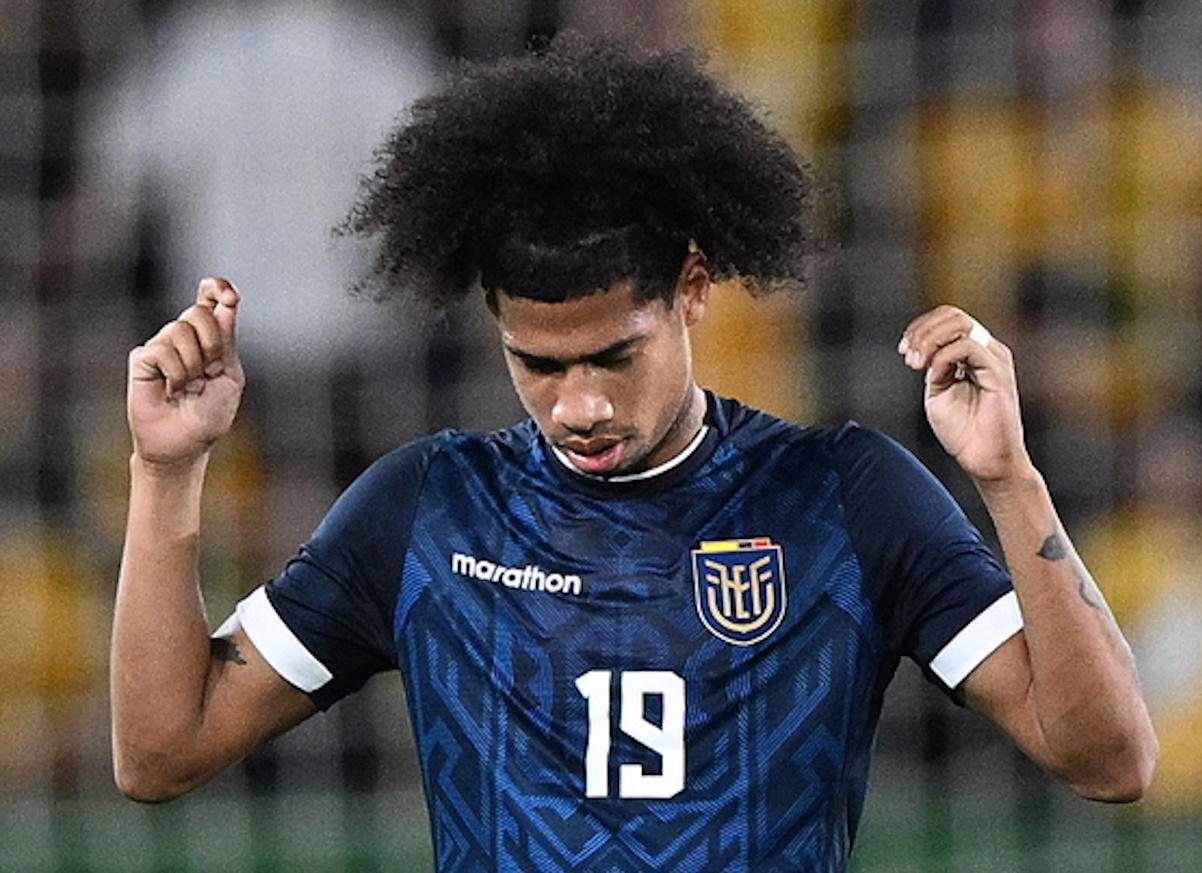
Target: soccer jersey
683, 672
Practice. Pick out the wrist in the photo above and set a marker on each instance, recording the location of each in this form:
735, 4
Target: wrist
1023, 483
164, 501
168, 470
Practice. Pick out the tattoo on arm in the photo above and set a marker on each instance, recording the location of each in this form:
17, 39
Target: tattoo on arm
1053, 549
1089, 592
225, 650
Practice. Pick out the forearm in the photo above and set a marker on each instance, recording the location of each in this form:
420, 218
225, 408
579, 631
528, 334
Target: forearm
182, 709
1092, 725
160, 645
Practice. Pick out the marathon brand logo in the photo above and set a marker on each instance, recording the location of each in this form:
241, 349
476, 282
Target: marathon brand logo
528, 578
739, 587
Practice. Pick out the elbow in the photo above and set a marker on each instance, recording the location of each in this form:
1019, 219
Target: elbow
145, 787
149, 779
144, 791
1124, 774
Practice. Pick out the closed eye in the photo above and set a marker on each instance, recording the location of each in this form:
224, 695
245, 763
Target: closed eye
544, 368
539, 366
615, 357
611, 362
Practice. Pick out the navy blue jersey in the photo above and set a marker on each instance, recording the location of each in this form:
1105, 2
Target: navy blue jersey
681, 673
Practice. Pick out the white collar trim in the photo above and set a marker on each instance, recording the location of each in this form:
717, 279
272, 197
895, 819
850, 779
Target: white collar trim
644, 474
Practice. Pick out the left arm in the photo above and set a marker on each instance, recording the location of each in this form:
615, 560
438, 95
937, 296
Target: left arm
1065, 688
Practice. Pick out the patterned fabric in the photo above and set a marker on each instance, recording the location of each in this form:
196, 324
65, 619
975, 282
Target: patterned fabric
581, 691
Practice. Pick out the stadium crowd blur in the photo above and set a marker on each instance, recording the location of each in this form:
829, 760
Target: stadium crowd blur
1038, 162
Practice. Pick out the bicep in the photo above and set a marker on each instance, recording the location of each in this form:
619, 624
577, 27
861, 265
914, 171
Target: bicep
1000, 688
246, 701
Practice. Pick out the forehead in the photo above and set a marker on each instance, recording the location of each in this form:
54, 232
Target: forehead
580, 326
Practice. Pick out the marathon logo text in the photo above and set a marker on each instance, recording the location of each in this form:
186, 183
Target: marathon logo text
528, 578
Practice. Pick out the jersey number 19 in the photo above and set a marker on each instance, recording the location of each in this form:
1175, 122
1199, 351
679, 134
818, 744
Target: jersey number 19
665, 739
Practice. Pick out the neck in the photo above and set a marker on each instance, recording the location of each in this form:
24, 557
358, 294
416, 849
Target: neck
691, 419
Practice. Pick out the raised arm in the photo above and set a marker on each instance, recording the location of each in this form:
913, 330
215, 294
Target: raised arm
183, 706
1065, 688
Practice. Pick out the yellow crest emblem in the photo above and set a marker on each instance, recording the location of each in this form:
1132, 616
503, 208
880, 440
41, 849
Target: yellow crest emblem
739, 588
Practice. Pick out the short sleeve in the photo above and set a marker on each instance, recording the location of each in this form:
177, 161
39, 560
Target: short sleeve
943, 597
325, 624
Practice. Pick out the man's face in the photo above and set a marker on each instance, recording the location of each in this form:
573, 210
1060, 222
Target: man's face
607, 380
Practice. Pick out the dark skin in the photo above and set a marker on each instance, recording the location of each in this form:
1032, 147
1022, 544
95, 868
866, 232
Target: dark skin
608, 379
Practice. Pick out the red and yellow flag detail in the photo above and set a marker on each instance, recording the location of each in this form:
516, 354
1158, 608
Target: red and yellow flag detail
739, 588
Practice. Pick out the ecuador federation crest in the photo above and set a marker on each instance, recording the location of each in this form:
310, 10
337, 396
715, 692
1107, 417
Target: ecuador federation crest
739, 587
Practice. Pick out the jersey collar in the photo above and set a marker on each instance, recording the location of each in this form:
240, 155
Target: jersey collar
642, 475
663, 475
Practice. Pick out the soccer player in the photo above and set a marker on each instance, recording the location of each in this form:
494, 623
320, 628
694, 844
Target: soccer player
649, 628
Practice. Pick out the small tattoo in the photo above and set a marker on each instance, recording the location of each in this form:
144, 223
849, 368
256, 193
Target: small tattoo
225, 650
1090, 594
1053, 549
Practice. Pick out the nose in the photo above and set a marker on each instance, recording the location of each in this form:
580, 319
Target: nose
582, 403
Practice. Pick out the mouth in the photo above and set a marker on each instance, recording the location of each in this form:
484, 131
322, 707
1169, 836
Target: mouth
597, 457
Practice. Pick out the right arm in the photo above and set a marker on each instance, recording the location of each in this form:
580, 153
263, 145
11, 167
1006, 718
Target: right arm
184, 706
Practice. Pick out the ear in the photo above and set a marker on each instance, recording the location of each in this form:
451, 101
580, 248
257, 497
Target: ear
490, 300
693, 290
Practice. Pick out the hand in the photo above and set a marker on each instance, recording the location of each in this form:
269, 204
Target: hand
971, 396
186, 382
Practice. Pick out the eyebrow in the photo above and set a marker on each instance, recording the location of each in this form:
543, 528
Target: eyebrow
598, 358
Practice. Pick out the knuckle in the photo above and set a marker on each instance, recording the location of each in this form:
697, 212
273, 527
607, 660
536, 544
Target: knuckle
173, 330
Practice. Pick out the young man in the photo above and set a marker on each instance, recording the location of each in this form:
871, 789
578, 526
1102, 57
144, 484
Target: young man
649, 628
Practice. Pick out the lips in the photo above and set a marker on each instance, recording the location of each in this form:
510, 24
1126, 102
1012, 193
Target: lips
597, 457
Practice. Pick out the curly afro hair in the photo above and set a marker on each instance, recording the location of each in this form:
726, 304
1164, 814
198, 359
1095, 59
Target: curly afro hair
558, 173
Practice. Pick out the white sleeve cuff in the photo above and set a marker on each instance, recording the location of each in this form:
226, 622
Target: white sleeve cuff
978, 640
276, 642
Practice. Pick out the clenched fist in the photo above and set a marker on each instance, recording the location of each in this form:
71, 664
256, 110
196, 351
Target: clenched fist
186, 382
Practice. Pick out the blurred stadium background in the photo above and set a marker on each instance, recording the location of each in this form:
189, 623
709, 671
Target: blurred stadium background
1036, 161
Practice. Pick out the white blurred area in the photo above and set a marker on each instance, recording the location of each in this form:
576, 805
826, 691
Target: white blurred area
243, 127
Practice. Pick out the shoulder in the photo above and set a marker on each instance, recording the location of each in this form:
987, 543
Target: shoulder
402, 468
877, 477
844, 445
412, 461
376, 512
392, 483
874, 466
